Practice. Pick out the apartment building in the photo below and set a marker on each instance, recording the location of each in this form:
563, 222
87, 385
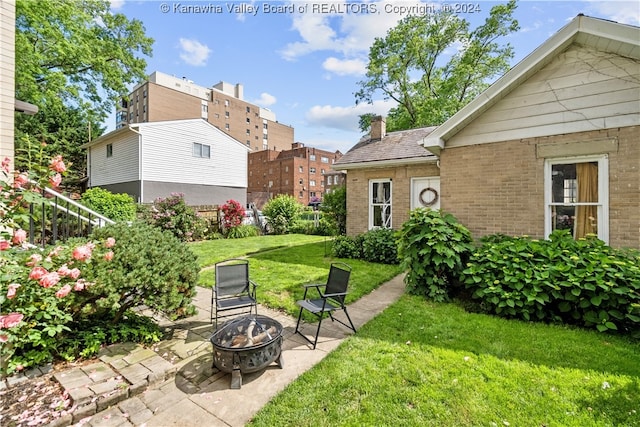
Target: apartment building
163, 97
299, 171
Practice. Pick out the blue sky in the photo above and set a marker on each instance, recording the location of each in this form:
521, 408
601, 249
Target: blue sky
303, 59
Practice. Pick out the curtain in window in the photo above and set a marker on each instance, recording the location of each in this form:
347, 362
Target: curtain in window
586, 216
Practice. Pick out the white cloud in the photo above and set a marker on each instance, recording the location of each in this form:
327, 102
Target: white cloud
344, 67
344, 118
624, 12
194, 52
116, 4
265, 100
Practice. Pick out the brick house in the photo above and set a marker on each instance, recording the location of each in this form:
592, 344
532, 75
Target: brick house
388, 174
552, 144
299, 172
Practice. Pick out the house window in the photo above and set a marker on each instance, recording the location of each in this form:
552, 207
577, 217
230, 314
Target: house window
576, 196
324, 159
109, 150
201, 150
380, 203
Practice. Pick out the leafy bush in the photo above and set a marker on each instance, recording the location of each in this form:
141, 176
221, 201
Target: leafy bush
324, 227
347, 247
581, 282
282, 211
150, 267
380, 245
433, 248
173, 214
117, 207
334, 206
242, 231
232, 215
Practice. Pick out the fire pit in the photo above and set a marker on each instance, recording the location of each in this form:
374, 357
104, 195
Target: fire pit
247, 344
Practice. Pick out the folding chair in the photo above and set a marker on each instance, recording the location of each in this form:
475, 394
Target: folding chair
233, 290
332, 299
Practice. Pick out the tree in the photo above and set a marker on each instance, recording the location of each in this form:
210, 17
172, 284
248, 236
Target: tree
282, 210
74, 57
334, 205
410, 66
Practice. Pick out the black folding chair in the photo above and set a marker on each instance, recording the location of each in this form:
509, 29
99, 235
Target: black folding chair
329, 300
233, 290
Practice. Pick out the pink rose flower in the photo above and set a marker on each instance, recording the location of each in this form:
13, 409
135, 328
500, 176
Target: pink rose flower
11, 293
5, 164
74, 273
82, 252
57, 164
110, 242
108, 256
35, 258
55, 180
64, 270
55, 252
49, 279
19, 236
63, 291
10, 320
37, 273
80, 285
4, 245
20, 180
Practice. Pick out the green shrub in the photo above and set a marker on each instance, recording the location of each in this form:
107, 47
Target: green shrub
301, 226
282, 211
242, 231
150, 267
582, 282
433, 248
347, 247
380, 245
172, 214
117, 207
334, 206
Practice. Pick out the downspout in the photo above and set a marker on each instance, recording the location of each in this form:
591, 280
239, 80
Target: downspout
140, 164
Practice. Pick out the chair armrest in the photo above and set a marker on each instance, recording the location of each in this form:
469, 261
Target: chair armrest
339, 294
317, 286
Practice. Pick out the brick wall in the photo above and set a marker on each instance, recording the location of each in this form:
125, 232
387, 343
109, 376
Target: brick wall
499, 187
358, 193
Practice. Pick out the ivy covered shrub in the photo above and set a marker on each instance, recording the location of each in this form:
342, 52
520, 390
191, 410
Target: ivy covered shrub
347, 247
281, 212
380, 245
117, 207
172, 214
149, 267
433, 248
581, 282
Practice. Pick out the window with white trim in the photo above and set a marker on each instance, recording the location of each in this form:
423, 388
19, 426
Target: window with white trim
201, 150
576, 196
380, 203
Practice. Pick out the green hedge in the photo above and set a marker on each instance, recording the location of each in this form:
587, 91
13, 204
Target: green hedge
582, 282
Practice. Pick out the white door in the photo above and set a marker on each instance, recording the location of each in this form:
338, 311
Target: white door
425, 192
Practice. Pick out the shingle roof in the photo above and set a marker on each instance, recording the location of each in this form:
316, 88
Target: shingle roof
395, 146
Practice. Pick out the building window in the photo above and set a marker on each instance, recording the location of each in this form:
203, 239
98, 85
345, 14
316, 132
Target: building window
312, 157
324, 159
248, 110
300, 194
109, 150
301, 181
226, 102
248, 131
322, 171
264, 126
576, 196
226, 114
300, 169
380, 203
248, 120
201, 150
226, 126
286, 168
312, 183
144, 93
312, 170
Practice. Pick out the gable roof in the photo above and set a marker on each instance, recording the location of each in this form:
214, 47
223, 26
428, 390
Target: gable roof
395, 148
134, 127
599, 34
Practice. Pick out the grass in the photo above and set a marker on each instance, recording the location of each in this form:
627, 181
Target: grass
427, 364
281, 265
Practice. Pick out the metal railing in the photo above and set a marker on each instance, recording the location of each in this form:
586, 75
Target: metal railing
58, 218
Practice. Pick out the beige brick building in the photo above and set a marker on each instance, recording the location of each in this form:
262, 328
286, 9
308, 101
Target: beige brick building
163, 97
299, 171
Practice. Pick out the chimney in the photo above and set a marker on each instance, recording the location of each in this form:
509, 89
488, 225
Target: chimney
378, 128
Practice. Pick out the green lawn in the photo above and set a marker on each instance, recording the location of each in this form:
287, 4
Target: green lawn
430, 364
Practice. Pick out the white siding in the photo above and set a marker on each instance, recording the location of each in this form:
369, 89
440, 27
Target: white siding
7, 67
580, 90
122, 166
167, 154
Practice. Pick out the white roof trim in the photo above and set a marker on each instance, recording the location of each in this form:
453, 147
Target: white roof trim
383, 163
592, 29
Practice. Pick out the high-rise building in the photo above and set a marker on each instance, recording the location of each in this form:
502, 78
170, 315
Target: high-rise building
163, 97
299, 171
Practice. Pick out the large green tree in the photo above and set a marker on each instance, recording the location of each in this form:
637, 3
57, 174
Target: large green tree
413, 65
74, 60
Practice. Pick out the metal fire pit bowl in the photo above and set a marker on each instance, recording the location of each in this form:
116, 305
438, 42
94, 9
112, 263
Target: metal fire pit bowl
247, 344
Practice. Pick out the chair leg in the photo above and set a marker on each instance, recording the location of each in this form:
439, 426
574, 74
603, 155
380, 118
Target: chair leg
318, 330
349, 319
299, 317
